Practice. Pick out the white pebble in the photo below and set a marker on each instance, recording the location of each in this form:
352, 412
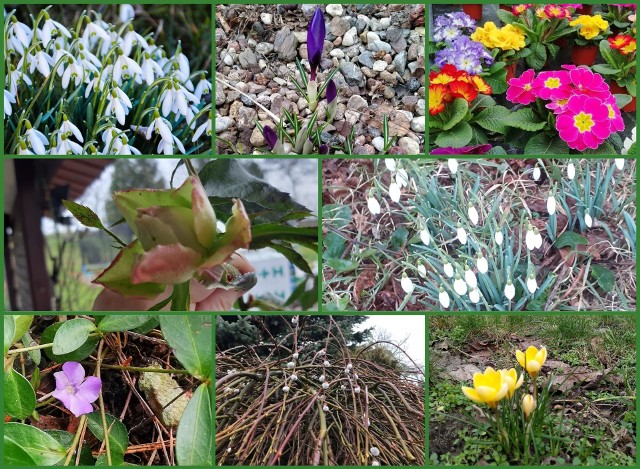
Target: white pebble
267, 18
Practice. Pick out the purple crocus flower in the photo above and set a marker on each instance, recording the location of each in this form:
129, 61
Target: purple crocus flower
324, 149
270, 136
75, 392
470, 150
315, 41
332, 92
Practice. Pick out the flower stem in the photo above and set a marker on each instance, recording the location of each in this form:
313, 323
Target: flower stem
76, 439
139, 369
101, 401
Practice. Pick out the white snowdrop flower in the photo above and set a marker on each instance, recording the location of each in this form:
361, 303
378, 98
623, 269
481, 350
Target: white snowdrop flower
321, 378
422, 270
126, 13
453, 165
394, 192
407, 284
474, 296
295, 356
571, 171
294, 320
482, 264
14, 77
343, 387
9, 99
183, 63
375, 463
532, 285
325, 385
355, 376
58, 54
285, 389
228, 450
462, 234
536, 174
551, 204
51, 27
530, 238
94, 31
36, 139
325, 408
66, 147
321, 352
373, 204
460, 286
402, 178
166, 146
119, 105
130, 38
203, 87
356, 389
443, 296
509, 290
326, 363
375, 452
294, 377
176, 98
161, 126
537, 237
205, 128
88, 61
150, 69
40, 61
499, 238
628, 142
587, 219
125, 68
448, 269
620, 162
73, 73
290, 365
349, 367
19, 35
470, 277
390, 163
473, 214
95, 84
70, 128
425, 236
22, 148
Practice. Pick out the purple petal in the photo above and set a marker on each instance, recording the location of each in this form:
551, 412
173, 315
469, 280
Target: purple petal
324, 149
62, 381
332, 92
270, 136
90, 389
315, 41
63, 396
78, 407
74, 372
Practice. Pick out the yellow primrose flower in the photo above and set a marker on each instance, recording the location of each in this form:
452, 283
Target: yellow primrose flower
532, 360
591, 26
528, 404
513, 382
488, 388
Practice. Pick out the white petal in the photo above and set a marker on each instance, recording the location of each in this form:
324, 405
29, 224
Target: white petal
445, 301
394, 192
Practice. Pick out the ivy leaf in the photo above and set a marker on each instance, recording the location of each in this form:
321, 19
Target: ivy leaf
605, 278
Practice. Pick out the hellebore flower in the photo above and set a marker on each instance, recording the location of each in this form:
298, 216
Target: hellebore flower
488, 387
177, 240
75, 392
532, 360
443, 296
528, 404
315, 41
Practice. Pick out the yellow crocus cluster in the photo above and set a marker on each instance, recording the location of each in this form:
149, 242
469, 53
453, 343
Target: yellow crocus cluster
492, 386
532, 360
508, 37
591, 26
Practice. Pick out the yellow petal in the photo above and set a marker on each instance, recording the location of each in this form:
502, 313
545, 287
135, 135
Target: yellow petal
471, 394
520, 358
488, 394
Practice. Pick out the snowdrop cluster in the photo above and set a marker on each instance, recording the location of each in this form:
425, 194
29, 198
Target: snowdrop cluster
99, 88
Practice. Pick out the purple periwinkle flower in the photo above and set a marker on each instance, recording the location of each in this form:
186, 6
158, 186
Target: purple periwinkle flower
270, 136
469, 150
332, 91
315, 41
75, 392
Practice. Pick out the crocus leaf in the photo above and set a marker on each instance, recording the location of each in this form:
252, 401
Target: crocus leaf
194, 438
19, 396
42, 448
191, 338
72, 335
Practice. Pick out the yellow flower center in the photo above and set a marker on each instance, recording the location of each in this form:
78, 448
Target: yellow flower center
583, 122
612, 113
70, 389
527, 87
552, 82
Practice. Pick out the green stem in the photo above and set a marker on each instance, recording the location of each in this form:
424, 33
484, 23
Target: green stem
101, 401
140, 369
76, 439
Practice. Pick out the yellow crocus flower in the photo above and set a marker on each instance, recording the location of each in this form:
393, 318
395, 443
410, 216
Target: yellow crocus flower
532, 360
488, 387
513, 382
528, 404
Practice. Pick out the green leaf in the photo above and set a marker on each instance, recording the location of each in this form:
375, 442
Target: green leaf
605, 69
496, 151
571, 239
80, 353
538, 57
181, 297
482, 101
262, 235
497, 81
72, 335
454, 113
337, 215
19, 396
122, 323
23, 322
605, 278
9, 332
118, 435
341, 265
194, 438
399, 238
457, 137
334, 245
292, 256
225, 178
42, 448
494, 119
191, 338
117, 459
83, 214
525, 119
622, 100
66, 439
15, 455
542, 144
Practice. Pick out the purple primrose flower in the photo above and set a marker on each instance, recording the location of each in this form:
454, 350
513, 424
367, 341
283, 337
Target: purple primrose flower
75, 392
315, 41
452, 25
464, 54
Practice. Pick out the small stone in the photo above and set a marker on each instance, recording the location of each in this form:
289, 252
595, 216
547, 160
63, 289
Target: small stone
367, 72
379, 65
409, 145
396, 39
366, 59
390, 78
308, 9
223, 123
385, 22
389, 92
301, 36
349, 37
351, 73
264, 48
246, 118
418, 124
357, 103
337, 53
242, 86
220, 97
400, 62
302, 104
266, 18
285, 44
257, 139
363, 150
374, 25
400, 123
262, 64
420, 107
248, 99
339, 26
227, 58
361, 23
378, 45
334, 10
247, 58
372, 37
378, 143
413, 52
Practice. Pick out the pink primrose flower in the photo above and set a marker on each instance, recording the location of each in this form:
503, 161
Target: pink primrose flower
584, 123
521, 89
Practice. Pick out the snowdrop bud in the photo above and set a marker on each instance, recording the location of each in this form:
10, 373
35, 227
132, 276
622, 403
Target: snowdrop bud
551, 204
536, 174
294, 377
499, 237
448, 269
356, 389
285, 389
422, 270
343, 387
321, 378
509, 290
470, 277
532, 285
236, 391
530, 239
483, 265
571, 171
390, 163
425, 236
443, 296
537, 238
375, 463
349, 366
462, 235
473, 214
228, 450
321, 352
325, 385
587, 219
453, 165
290, 365
325, 408
394, 192
326, 363
373, 204
402, 178
460, 286
474, 296
619, 163
295, 356
294, 320
407, 284
375, 452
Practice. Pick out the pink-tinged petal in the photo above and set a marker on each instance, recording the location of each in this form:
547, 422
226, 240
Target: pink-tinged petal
90, 389
166, 265
236, 236
167, 226
79, 407
74, 371
62, 381
203, 215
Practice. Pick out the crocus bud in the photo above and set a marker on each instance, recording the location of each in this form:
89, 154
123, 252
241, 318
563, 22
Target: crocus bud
324, 149
528, 404
443, 296
272, 140
315, 41
332, 102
